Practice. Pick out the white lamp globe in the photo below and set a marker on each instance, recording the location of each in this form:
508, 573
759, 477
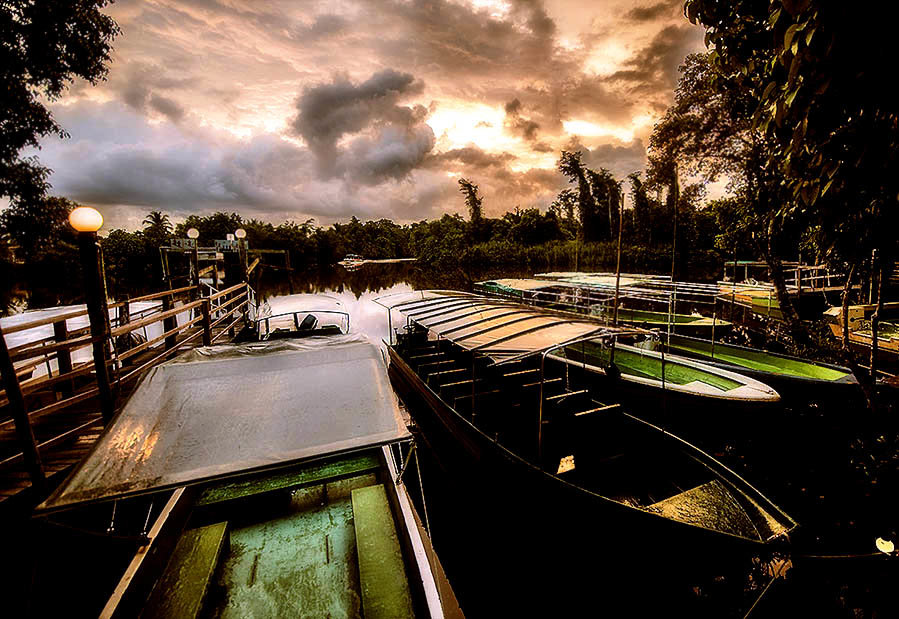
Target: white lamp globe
86, 219
240, 233
193, 233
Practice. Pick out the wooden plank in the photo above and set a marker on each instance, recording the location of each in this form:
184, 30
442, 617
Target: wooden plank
382, 574
182, 588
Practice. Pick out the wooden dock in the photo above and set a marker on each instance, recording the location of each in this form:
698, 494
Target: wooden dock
52, 414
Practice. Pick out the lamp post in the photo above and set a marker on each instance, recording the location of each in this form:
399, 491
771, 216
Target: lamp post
241, 234
193, 234
87, 221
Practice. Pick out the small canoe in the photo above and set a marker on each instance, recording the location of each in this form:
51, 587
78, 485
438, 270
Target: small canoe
785, 373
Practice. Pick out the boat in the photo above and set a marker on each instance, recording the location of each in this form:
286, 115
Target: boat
352, 261
554, 475
594, 294
639, 371
255, 479
785, 373
679, 323
860, 335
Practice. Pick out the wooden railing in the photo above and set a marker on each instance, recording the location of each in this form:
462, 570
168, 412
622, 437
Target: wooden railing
47, 381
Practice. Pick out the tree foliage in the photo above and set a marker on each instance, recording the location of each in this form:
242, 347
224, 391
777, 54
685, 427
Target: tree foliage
44, 46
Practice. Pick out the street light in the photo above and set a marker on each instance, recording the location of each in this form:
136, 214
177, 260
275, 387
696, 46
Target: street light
193, 233
87, 221
240, 233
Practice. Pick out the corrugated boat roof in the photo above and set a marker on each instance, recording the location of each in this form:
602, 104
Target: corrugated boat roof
500, 330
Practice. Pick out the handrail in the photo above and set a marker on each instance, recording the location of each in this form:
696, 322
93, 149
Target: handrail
76, 383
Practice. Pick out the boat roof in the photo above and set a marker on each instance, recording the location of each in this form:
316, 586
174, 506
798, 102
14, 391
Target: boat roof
503, 331
225, 410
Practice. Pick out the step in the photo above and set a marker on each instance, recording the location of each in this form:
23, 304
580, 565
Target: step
181, 590
382, 573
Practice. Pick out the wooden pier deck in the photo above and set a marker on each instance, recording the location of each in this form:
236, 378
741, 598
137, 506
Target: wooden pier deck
62, 406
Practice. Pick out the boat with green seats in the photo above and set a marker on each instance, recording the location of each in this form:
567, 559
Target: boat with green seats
651, 374
261, 479
788, 374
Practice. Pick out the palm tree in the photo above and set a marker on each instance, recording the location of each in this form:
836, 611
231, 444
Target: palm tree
157, 223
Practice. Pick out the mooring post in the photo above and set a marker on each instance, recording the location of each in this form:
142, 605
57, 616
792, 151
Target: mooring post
20, 416
207, 321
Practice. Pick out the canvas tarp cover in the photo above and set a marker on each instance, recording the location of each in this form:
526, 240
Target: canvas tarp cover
223, 410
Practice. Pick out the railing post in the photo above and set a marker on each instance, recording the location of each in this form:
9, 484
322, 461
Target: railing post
63, 356
20, 416
169, 323
206, 322
124, 342
194, 273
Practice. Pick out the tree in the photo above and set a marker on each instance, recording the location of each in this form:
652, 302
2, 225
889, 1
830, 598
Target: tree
38, 226
472, 200
573, 168
818, 81
157, 223
709, 132
44, 46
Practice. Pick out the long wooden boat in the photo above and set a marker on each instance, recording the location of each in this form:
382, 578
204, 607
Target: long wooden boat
785, 373
257, 480
565, 475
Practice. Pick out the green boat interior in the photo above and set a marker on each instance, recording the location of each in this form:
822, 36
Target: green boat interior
631, 361
754, 359
580, 438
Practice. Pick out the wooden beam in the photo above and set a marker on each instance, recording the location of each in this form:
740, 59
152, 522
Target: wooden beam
20, 415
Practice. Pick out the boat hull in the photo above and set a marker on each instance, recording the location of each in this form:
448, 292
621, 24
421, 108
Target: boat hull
540, 530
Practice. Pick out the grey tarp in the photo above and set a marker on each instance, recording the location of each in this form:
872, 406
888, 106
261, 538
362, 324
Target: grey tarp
227, 409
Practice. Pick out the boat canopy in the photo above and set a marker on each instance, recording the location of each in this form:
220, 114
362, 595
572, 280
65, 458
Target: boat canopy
500, 330
224, 410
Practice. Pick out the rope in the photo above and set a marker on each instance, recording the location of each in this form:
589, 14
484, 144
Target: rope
424, 504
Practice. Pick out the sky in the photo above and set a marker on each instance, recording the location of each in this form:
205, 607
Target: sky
374, 108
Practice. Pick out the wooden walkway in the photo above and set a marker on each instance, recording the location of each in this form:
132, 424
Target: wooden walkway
63, 407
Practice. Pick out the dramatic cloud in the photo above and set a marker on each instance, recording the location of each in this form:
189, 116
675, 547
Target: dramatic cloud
371, 108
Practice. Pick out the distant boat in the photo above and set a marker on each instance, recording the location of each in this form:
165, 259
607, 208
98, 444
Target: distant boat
860, 334
352, 261
680, 323
257, 479
591, 293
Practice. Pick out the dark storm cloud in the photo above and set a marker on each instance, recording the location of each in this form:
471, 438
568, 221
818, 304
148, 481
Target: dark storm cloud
328, 112
519, 125
653, 11
653, 69
392, 153
471, 156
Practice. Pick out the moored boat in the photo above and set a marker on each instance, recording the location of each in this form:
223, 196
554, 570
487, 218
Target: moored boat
540, 452
787, 374
258, 479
